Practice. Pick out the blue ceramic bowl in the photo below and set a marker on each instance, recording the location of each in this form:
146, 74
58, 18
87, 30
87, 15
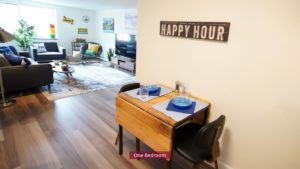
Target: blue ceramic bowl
181, 102
152, 88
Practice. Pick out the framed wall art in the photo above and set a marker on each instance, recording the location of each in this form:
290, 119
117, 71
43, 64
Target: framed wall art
82, 30
108, 25
130, 21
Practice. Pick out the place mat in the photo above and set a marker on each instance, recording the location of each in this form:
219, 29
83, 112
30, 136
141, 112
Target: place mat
156, 93
175, 115
134, 93
189, 110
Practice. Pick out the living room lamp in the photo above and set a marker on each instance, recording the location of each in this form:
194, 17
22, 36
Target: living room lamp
5, 37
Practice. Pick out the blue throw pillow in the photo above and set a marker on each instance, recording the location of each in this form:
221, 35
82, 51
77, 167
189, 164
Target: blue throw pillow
5, 50
26, 60
13, 59
13, 49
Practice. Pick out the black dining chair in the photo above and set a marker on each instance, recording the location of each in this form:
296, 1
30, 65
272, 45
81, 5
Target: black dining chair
198, 143
125, 88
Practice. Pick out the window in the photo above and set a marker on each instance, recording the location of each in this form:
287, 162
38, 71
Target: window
41, 18
9, 16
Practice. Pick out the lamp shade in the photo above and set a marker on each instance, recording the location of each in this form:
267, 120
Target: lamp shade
5, 36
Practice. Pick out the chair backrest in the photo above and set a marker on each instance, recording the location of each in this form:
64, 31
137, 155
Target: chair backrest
208, 137
129, 86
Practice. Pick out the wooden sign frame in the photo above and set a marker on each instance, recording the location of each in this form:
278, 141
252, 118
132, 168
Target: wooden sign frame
215, 31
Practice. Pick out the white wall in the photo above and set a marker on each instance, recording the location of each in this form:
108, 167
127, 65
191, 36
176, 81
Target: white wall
253, 79
68, 32
107, 40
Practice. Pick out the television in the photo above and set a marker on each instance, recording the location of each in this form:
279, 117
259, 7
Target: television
126, 45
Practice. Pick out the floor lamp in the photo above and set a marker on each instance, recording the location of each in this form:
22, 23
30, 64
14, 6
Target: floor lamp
5, 37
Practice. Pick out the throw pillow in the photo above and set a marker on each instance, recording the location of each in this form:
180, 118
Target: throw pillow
25, 61
40, 47
51, 46
90, 52
5, 49
13, 59
94, 47
3, 61
14, 50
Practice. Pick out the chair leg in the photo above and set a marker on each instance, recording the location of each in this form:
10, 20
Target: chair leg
196, 166
167, 164
117, 139
49, 87
216, 164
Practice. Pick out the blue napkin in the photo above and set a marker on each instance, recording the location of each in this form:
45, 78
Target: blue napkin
189, 110
156, 93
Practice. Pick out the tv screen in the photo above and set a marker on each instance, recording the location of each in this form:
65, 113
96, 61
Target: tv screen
126, 45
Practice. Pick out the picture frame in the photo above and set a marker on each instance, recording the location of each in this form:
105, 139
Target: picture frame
82, 30
130, 21
108, 25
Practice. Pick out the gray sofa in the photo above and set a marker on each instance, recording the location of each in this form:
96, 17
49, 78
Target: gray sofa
54, 52
17, 78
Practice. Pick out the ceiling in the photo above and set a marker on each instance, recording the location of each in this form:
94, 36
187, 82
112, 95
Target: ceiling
93, 4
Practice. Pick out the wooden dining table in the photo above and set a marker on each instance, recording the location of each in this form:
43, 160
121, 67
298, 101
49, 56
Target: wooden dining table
152, 127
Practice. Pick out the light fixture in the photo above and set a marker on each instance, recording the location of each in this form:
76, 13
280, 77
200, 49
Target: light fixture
5, 37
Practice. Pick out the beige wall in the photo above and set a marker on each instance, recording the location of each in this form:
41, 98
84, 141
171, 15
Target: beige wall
253, 79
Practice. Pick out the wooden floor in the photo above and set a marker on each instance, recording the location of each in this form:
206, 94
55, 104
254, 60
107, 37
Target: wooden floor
72, 133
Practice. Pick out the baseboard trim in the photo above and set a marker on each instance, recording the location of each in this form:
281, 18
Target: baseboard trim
223, 165
220, 164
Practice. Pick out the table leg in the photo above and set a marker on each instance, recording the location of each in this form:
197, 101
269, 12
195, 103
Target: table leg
69, 75
121, 140
137, 145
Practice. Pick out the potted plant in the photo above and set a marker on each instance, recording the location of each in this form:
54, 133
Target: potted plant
110, 54
64, 65
25, 34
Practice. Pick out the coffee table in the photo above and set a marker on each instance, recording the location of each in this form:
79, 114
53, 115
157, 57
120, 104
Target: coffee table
68, 73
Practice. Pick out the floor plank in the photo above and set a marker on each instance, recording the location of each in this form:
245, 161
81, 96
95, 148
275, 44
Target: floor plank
72, 133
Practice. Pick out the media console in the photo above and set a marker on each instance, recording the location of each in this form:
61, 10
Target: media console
124, 63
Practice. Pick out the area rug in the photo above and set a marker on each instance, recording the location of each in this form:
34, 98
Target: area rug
86, 78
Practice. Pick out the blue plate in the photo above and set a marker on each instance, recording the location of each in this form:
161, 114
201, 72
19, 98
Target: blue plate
152, 88
181, 102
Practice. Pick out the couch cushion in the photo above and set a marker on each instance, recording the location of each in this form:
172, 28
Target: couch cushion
25, 61
3, 61
49, 53
40, 47
13, 59
51, 46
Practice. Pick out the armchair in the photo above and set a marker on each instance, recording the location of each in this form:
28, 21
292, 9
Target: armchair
52, 52
85, 56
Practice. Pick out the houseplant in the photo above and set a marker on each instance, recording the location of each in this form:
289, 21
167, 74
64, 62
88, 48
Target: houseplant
24, 34
110, 54
64, 65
